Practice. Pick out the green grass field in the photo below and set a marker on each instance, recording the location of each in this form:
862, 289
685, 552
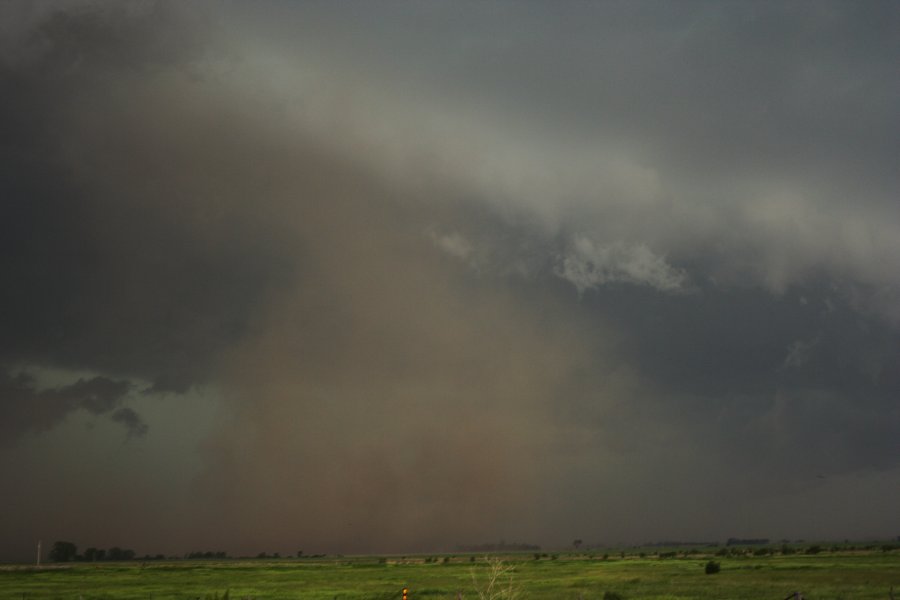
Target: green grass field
856, 575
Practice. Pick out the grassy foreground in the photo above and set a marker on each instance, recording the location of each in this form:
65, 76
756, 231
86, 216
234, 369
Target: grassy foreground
819, 577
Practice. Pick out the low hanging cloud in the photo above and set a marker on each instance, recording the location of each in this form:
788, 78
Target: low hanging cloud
29, 409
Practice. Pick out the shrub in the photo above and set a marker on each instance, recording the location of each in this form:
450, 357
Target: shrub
712, 567
498, 583
612, 596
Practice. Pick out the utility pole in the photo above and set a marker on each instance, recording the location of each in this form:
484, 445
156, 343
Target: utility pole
39, 554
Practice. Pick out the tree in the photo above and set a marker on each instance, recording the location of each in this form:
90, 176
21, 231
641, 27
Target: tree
577, 544
116, 553
90, 554
63, 552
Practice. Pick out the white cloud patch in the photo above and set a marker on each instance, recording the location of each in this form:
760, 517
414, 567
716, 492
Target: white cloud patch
453, 244
588, 266
798, 353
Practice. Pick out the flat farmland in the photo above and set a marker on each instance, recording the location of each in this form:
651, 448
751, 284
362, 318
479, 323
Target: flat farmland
833, 576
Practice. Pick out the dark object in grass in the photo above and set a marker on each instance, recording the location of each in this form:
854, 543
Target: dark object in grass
712, 567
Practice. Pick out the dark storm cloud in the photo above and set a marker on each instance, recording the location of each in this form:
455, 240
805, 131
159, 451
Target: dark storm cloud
462, 272
111, 279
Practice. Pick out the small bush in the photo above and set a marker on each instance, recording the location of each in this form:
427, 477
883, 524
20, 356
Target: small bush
612, 596
712, 567
498, 583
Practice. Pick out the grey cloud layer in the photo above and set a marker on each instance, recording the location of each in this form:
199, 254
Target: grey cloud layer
503, 253
759, 140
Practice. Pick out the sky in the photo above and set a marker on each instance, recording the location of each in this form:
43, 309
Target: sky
405, 276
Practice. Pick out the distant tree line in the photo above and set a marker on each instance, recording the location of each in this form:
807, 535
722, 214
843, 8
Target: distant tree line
676, 544
207, 554
747, 542
68, 552
501, 547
